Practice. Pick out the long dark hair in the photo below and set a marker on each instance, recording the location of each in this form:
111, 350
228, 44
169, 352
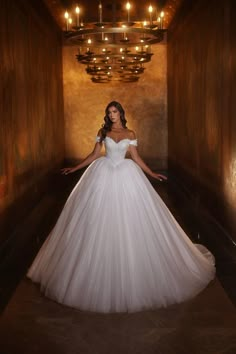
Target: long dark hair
106, 127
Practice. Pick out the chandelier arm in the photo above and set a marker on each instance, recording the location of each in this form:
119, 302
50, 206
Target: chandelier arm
158, 35
154, 31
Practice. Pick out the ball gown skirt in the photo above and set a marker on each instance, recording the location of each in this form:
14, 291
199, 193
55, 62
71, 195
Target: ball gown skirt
116, 247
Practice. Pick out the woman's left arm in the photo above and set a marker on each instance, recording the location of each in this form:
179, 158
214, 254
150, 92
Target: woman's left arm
135, 156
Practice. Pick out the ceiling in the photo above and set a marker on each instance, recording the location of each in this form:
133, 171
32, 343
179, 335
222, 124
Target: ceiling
90, 9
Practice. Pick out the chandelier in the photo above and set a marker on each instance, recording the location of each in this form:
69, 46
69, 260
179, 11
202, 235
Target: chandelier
116, 50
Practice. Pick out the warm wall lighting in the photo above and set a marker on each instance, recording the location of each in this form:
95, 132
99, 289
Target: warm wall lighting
230, 183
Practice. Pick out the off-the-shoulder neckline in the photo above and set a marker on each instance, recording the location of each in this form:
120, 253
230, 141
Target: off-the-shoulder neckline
117, 142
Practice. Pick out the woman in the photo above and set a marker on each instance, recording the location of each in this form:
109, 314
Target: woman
116, 247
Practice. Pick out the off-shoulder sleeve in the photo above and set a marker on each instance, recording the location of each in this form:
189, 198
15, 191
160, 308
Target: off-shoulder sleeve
133, 142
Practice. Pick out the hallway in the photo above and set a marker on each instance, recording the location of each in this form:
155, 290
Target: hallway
182, 109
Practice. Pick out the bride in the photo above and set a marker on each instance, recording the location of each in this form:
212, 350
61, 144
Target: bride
116, 247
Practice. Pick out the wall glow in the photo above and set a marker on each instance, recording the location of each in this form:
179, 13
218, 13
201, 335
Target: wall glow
230, 183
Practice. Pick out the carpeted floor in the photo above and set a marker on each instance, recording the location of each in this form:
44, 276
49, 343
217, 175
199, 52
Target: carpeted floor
33, 324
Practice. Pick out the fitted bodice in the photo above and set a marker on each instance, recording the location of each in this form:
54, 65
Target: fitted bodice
116, 151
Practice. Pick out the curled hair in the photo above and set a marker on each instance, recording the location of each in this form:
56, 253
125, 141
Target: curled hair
106, 127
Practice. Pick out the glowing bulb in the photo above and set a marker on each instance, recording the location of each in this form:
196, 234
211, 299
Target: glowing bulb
128, 6
150, 9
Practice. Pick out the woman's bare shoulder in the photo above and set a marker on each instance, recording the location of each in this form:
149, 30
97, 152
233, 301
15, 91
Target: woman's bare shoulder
99, 132
131, 134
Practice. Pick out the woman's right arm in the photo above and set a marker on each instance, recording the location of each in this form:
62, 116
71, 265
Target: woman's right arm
87, 161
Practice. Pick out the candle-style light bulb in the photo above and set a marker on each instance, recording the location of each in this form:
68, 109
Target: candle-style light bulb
77, 11
162, 14
100, 12
128, 6
89, 41
150, 9
69, 22
66, 15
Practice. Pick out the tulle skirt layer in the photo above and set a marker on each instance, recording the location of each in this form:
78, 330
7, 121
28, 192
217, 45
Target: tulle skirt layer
116, 247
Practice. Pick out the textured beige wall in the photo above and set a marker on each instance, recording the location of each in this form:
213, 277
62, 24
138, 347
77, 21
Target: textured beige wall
145, 103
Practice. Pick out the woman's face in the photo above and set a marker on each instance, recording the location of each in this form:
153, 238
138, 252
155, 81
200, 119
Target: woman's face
114, 114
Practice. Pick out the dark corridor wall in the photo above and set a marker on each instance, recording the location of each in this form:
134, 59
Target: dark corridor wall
31, 101
201, 97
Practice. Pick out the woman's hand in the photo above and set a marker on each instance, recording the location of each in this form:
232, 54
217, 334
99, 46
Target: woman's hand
159, 176
67, 170
88, 160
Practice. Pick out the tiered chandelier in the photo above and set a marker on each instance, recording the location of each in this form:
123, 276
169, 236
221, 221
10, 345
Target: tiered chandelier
114, 51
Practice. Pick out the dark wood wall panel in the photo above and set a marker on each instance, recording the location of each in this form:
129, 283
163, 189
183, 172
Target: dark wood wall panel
201, 96
31, 100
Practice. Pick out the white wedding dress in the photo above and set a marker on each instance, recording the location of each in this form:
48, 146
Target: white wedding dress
116, 247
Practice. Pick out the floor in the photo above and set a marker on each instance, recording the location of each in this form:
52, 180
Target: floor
30, 323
